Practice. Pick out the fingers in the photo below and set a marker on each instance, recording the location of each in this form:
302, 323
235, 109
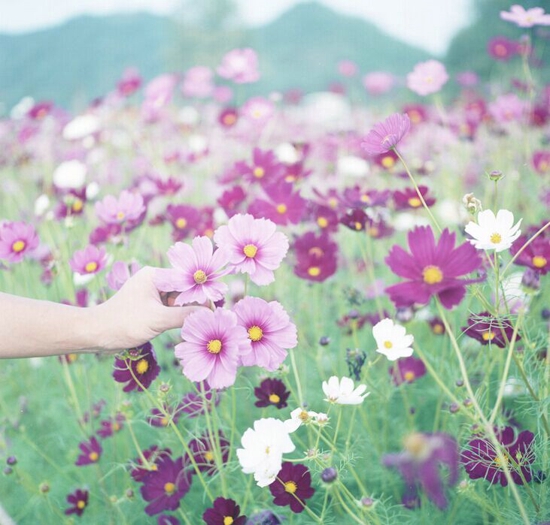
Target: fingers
174, 317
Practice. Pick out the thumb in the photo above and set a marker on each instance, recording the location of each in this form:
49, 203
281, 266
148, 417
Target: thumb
174, 316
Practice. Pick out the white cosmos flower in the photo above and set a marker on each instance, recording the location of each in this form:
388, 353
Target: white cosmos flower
263, 449
493, 233
70, 174
81, 127
392, 339
298, 417
343, 391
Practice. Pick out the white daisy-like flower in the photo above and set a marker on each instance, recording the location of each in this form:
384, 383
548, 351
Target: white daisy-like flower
392, 339
343, 391
298, 417
493, 232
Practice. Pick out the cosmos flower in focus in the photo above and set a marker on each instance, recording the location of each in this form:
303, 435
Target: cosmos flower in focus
292, 486
17, 239
493, 232
224, 512
90, 452
392, 340
271, 392
138, 370
386, 135
343, 392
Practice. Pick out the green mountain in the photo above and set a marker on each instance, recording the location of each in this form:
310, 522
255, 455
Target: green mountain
83, 58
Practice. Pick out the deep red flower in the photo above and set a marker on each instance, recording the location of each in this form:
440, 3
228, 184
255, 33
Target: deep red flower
78, 501
140, 469
271, 392
224, 512
502, 48
203, 452
409, 199
140, 365
292, 486
91, 452
486, 329
315, 257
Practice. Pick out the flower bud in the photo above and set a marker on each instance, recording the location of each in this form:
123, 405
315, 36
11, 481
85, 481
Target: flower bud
471, 204
329, 475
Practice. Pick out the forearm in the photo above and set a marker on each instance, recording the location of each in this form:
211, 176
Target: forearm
33, 328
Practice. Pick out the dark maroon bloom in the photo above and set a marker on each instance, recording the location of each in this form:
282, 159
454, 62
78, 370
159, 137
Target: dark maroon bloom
536, 255
232, 199
184, 220
204, 455
152, 455
195, 404
419, 464
431, 269
315, 256
353, 321
292, 486
111, 426
502, 48
378, 228
228, 117
163, 488
169, 186
355, 219
71, 203
481, 461
140, 366
90, 452
78, 501
159, 418
386, 160
296, 172
224, 512
284, 206
486, 329
541, 161
271, 392
408, 199
436, 326
407, 370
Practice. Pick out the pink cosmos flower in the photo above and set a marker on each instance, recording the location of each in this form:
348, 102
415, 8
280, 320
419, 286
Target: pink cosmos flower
240, 66
526, 18
88, 261
213, 344
502, 48
120, 273
269, 329
431, 269
196, 272
347, 68
378, 82
130, 82
198, 82
285, 205
427, 77
258, 110
127, 208
253, 246
386, 135
508, 108
17, 239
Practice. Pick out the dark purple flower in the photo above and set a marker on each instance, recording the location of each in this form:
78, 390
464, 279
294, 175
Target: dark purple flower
271, 392
110, 426
486, 329
386, 135
91, 452
408, 198
355, 219
419, 464
481, 461
315, 257
195, 404
163, 488
141, 469
140, 365
162, 418
407, 370
204, 455
292, 486
78, 501
431, 269
265, 517
224, 512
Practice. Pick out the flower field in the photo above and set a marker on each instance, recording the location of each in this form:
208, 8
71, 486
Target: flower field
374, 346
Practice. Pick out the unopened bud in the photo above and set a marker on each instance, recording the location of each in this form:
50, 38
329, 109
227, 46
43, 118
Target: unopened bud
471, 204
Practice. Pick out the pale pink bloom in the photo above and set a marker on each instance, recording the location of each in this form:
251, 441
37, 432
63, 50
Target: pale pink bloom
158, 92
347, 68
378, 82
127, 208
213, 344
386, 135
427, 77
222, 94
253, 246
258, 110
526, 18
196, 272
88, 261
240, 66
467, 78
198, 82
17, 239
508, 108
120, 272
269, 329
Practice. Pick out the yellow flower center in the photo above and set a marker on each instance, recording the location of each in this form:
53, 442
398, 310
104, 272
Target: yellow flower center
414, 202
214, 346
437, 329
120, 215
409, 375
116, 427
488, 335
358, 225
94, 456
18, 246
388, 162
432, 274
539, 261
255, 333
314, 271
91, 267
495, 238
290, 177
291, 487
250, 250
229, 119
303, 415
181, 223
227, 520
200, 277
416, 444
142, 366
169, 488
274, 398
364, 198
322, 222
164, 421
388, 344
500, 464
209, 456
80, 504
373, 231
281, 208
258, 172
77, 205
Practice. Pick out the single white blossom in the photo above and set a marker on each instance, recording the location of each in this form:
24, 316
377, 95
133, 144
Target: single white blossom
343, 391
299, 416
392, 340
493, 232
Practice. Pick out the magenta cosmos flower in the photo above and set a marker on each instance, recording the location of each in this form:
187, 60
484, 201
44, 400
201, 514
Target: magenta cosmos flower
386, 135
17, 239
213, 344
252, 246
427, 77
196, 273
78, 501
431, 269
526, 17
129, 207
88, 261
90, 452
269, 329
240, 66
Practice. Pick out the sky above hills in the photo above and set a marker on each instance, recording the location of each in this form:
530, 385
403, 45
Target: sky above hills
425, 23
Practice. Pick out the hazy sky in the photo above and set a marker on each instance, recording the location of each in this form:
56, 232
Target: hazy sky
426, 23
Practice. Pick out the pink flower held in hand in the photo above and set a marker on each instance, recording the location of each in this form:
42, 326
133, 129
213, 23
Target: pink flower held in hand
252, 246
269, 330
213, 344
386, 135
196, 272
88, 261
526, 18
128, 207
17, 239
427, 77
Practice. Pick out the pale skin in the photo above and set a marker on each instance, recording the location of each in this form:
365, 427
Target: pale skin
137, 313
